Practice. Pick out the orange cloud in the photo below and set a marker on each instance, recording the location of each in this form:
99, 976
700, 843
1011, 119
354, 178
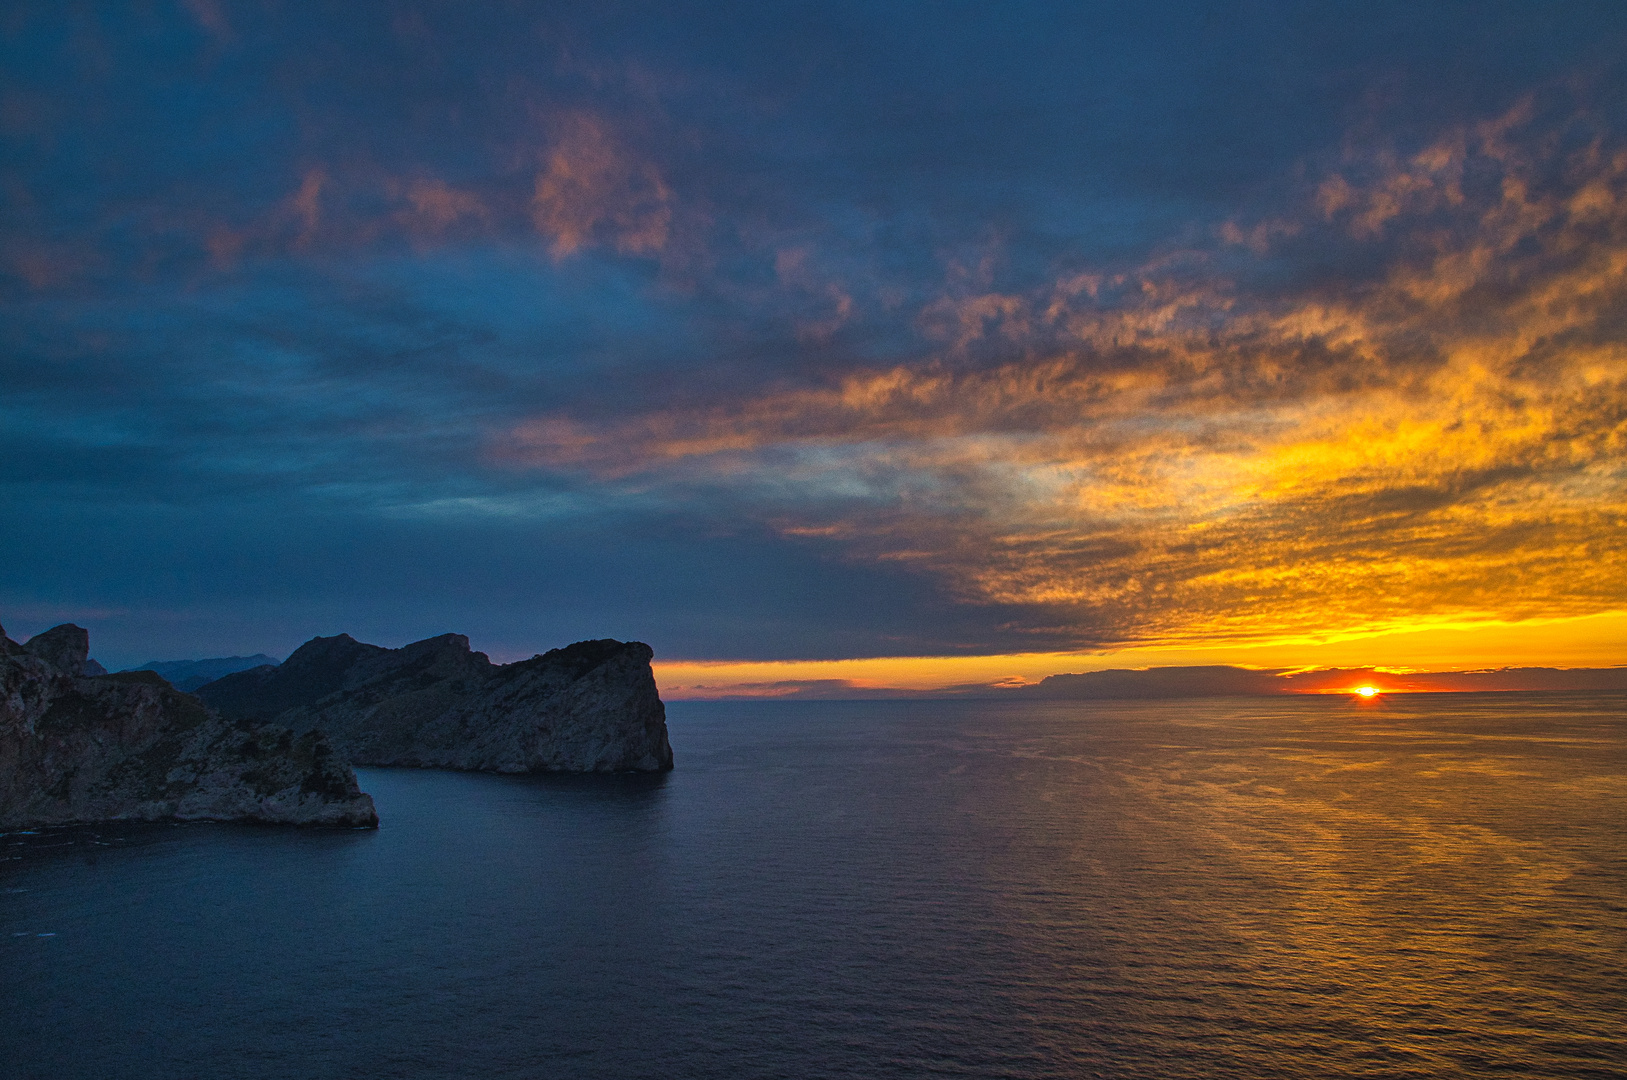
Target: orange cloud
1164, 458
305, 205
591, 189
792, 268
433, 207
46, 265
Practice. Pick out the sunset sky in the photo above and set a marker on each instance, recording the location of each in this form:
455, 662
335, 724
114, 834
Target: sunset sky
858, 345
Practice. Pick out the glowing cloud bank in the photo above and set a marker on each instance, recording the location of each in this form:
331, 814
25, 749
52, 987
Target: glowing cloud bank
1189, 453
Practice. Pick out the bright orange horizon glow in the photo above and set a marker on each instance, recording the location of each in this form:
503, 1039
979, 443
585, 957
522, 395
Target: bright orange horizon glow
1591, 641
1367, 691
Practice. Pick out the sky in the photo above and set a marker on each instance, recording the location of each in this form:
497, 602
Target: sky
870, 344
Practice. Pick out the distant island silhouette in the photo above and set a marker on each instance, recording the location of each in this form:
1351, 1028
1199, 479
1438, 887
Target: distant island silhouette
1228, 681
1194, 681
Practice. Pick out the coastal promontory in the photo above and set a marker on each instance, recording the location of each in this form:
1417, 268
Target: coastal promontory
589, 707
78, 746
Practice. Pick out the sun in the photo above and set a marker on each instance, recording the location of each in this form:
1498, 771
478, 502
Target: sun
1367, 691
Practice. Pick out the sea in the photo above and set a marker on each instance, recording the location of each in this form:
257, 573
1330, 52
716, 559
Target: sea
1414, 886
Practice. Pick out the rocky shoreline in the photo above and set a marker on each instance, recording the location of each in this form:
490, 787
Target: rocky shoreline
78, 747
277, 743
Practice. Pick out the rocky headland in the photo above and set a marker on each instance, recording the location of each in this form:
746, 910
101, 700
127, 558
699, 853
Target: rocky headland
81, 746
590, 707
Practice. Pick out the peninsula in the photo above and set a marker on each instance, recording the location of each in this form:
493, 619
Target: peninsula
589, 707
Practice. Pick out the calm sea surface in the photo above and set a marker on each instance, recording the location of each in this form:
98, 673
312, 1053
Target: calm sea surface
1429, 886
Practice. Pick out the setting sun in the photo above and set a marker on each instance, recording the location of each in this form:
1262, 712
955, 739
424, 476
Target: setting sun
1367, 691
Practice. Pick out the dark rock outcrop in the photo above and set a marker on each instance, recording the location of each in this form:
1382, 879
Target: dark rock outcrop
65, 648
590, 707
130, 747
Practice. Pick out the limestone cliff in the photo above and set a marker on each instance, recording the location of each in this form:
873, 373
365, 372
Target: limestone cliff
129, 747
590, 707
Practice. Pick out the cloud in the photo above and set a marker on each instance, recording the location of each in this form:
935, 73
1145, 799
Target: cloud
305, 205
433, 206
210, 16
1177, 453
592, 189
793, 270
968, 353
44, 265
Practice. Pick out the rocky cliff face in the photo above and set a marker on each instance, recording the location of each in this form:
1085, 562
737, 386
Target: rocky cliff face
129, 747
590, 707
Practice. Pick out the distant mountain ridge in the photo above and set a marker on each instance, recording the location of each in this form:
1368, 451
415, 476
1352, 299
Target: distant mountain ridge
589, 707
1228, 681
188, 675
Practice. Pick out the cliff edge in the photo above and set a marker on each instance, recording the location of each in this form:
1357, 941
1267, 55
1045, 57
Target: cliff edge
79, 747
590, 707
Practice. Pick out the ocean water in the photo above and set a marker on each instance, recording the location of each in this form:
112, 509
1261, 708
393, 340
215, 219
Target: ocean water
1421, 886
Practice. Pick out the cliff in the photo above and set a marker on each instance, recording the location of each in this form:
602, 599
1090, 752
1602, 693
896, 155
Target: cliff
76, 746
590, 707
